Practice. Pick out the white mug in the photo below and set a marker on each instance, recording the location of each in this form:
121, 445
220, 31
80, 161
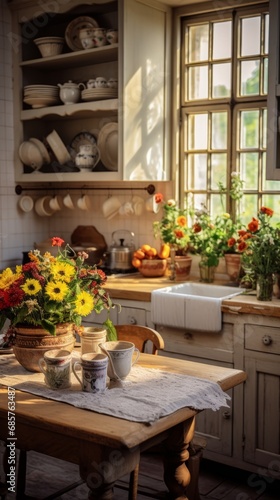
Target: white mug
120, 355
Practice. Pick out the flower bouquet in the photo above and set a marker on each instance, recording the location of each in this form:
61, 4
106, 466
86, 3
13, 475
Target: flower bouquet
49, 290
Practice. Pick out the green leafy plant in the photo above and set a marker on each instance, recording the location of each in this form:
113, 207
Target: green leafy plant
50, 290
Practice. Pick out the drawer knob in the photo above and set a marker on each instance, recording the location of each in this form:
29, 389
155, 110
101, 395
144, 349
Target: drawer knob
267, 340
226, 415
132, 320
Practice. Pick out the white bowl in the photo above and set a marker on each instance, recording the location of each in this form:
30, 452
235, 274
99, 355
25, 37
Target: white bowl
58, 148
42, 148
30, 155
42, 206
49, 45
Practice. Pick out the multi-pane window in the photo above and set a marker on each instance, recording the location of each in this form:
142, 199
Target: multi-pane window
224, 110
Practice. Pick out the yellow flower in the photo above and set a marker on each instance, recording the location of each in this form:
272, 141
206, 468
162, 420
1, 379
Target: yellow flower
84, 303
31, 286
62, 271
7, 278
56, 290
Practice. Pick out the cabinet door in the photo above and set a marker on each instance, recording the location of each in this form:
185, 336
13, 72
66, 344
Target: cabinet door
262, 410
131, 316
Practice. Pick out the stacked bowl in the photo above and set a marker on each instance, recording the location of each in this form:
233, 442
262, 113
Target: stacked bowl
49, 45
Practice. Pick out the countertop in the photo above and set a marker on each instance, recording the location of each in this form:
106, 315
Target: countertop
137, 287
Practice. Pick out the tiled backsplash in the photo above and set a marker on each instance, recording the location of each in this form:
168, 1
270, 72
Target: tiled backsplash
19, 230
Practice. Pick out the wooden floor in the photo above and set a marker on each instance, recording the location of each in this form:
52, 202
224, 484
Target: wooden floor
46, 476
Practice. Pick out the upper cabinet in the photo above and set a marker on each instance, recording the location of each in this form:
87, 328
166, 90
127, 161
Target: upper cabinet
60, 100
273, 101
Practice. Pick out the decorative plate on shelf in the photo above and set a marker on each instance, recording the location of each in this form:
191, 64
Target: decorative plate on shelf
82, 139
73, 28
98, 94
108, 145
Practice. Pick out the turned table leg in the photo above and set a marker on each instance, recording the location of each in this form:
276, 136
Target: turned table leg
176, 474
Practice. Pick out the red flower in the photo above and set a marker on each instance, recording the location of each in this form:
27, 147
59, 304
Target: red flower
196, 228
253, 226
57, 242
267, 211
242, 232
158, 197
242, 246
13, 296
231, 242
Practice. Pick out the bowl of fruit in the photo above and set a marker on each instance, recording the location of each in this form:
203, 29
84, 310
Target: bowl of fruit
149, 262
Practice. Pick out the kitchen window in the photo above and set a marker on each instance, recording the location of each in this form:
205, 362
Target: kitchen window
224, 80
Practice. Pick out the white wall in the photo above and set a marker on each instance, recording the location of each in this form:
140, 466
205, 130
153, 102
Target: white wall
19, 230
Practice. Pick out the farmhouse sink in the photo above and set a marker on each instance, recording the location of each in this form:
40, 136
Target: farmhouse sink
195, 306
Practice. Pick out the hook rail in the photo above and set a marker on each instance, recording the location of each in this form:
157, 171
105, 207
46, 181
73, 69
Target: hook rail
150, 189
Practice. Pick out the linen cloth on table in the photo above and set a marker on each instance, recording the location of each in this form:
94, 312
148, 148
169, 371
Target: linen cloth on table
146, 395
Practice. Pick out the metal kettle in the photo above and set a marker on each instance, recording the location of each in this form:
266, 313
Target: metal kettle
121, 254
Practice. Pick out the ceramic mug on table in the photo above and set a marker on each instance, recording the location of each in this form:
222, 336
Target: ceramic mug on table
91, 337
120, 354
94, 372
56, 366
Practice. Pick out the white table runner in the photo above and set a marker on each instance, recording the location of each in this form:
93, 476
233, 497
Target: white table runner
145, 396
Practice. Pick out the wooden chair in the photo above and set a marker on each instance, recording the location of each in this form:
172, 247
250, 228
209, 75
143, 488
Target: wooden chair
142, 337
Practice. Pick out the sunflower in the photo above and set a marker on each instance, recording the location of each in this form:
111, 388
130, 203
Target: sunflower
31, 286
57, 290
62, 271
7, 278
84, 303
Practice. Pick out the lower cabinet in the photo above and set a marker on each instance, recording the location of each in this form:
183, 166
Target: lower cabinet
210, 348
126, 312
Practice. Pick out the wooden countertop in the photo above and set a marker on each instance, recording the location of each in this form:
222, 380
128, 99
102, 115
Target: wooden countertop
137, 287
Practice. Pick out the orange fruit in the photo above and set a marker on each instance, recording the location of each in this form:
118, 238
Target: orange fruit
136, 262
152, 252
145, 248
139, 254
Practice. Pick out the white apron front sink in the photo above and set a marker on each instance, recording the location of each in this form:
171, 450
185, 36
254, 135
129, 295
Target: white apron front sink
195, 306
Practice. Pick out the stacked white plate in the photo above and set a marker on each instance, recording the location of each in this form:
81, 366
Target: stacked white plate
39, 96
107, 143
97, 94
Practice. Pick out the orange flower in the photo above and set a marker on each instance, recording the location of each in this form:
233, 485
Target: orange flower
178, 233
242, 246
253, 226
242, 232
57, 242
231, 242
181, 221
158, 197
267, 211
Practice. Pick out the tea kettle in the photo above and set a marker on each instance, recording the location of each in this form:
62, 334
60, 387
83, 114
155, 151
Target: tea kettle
121, 254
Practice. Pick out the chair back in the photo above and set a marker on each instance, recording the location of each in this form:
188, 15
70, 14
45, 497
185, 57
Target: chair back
140, 336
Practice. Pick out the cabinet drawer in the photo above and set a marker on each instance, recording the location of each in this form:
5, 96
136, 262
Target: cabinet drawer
215, 346
262, 338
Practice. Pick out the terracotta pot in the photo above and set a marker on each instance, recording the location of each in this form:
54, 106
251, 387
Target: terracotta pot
182, 265
32, 342
233, 266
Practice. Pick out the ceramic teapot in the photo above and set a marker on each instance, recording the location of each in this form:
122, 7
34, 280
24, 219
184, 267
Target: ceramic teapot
87, 157
70, 92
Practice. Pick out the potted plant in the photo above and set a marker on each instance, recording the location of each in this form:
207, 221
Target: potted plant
173, 232
259, 245
46, 299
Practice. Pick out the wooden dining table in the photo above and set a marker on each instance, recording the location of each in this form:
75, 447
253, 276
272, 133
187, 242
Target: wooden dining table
105, 447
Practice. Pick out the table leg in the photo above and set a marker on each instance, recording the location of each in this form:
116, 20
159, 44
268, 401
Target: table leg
176, 474
101, 467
